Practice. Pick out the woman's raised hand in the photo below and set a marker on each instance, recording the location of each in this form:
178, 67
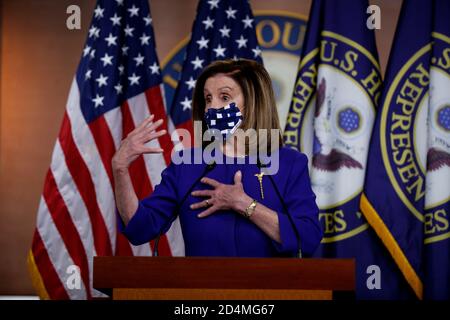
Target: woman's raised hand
134, 144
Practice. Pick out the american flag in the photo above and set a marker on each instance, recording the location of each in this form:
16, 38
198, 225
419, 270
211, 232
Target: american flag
223, 29
117, 85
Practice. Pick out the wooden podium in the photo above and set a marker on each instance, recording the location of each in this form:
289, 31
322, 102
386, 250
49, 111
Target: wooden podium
182, 278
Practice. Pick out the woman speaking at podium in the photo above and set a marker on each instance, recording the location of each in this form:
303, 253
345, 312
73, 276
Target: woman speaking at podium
231, 206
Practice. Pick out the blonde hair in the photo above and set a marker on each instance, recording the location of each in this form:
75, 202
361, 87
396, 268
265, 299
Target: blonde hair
260, 110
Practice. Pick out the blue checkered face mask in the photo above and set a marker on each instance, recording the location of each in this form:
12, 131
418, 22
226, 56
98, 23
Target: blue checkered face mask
226, 119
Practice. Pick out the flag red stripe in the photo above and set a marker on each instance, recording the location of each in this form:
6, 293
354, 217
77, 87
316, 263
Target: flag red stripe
187, 125
63, 222
139, 175
138, 172
82, 178
156, 106
122, 245
105, 144
49, 276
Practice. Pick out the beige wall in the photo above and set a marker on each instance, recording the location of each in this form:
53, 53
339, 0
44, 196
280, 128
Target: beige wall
39, 56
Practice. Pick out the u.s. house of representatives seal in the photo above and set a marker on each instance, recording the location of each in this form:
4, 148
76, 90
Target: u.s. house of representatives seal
415, 136
331, 119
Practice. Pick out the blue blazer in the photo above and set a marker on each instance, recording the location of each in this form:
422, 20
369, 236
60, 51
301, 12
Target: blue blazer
225, 232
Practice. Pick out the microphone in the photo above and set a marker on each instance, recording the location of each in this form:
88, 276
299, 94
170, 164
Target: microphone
207, 169
297, 235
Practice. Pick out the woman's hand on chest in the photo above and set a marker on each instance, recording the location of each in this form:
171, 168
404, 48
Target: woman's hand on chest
221, 197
